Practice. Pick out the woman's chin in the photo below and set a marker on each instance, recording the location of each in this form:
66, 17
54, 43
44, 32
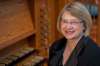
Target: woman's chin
70, 37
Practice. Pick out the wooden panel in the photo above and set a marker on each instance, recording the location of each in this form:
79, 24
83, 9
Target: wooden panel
15, 21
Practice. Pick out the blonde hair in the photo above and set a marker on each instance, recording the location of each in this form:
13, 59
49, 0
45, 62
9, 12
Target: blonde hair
78, 10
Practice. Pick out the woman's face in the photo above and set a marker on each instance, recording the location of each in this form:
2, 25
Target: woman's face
71, 27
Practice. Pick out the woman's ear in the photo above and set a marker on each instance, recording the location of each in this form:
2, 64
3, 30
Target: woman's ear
84, 28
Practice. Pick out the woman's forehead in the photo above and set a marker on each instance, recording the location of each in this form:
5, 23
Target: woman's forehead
67, 15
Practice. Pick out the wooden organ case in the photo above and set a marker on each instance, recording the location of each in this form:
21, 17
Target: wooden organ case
17, 34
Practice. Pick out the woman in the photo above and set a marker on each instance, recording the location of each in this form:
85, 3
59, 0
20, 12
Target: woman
76, 48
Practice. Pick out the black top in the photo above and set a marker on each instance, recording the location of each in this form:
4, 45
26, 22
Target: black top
86, 53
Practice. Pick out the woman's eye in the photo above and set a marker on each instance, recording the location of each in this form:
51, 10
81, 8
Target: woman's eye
64, 21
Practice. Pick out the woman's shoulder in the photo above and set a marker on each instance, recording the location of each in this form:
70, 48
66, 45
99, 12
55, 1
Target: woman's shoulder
94, 53
93, 49
91, 44
58, 44
90, 54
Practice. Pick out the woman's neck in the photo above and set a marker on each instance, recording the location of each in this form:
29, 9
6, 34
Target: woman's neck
73, 42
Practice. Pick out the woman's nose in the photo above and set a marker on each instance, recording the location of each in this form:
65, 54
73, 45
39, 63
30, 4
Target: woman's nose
69, 26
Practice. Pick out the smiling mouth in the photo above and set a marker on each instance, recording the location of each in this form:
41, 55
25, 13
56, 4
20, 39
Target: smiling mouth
69, 32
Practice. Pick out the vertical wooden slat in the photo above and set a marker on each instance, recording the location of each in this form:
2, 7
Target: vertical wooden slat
98, 24
42, 25
52, 19
36, 8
